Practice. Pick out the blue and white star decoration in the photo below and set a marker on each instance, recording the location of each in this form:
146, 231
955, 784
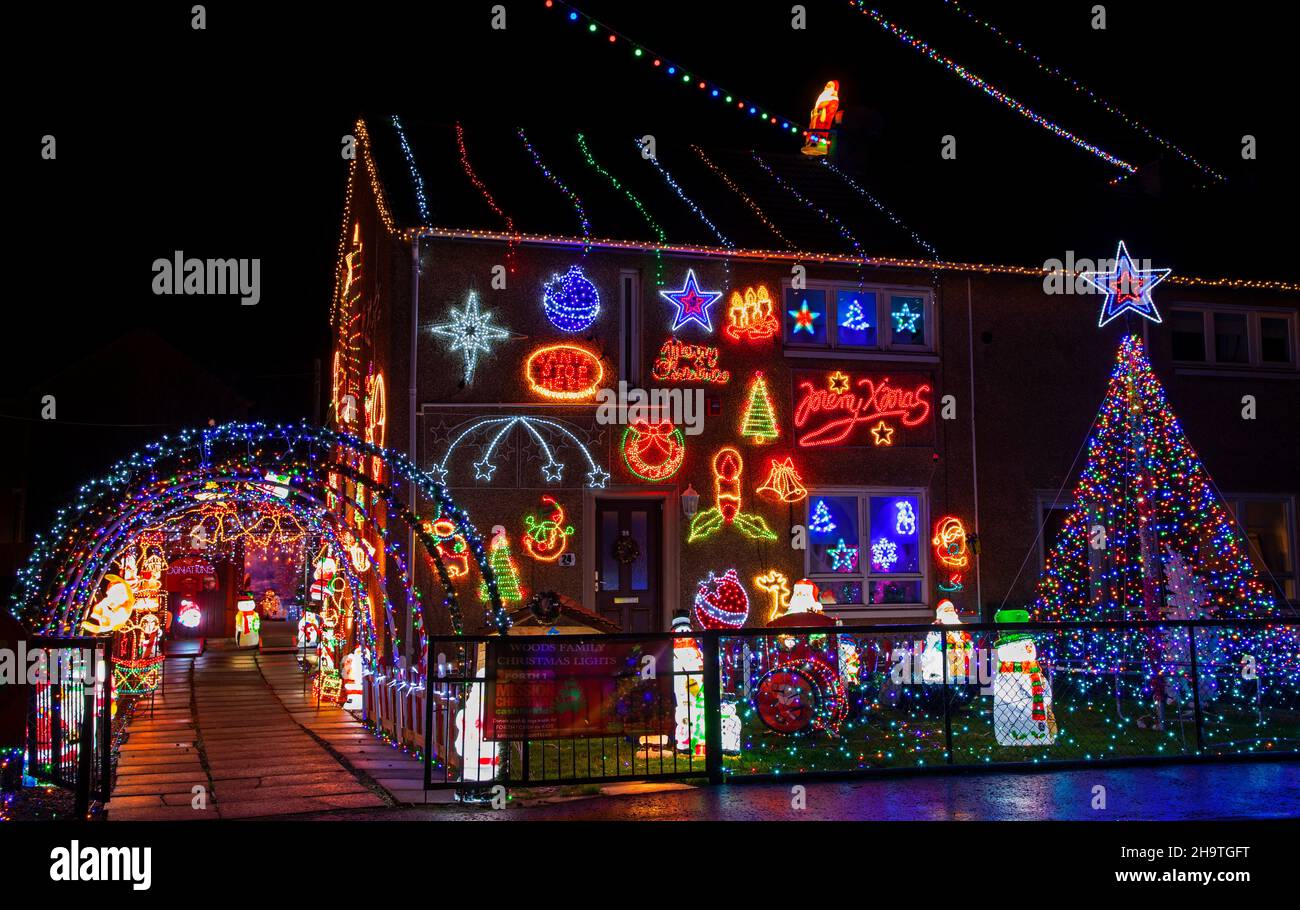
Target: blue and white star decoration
692, 303
471, 332
1126, 287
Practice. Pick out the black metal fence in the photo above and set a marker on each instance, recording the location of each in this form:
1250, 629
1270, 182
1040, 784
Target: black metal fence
528, 710
70, 716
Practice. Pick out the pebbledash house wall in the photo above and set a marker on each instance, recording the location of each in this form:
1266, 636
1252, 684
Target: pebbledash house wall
1027, 372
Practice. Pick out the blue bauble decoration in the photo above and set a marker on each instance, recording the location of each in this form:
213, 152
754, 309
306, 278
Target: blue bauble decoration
571, 301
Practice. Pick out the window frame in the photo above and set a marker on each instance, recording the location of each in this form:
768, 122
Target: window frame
1235, 502
863, 495
1254, 337
629, 327
885, 345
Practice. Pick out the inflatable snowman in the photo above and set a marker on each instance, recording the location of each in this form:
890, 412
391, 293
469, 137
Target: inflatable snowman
248, 625
688, 688
1022, 695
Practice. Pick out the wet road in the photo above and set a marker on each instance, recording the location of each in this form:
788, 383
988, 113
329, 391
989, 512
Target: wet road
1201, 792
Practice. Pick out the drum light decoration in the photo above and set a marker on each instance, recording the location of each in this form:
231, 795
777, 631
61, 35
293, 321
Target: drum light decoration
759, 421
783, 482
750, 316
547, 538
679, 361
564, 372
727, 469
654, 451
571, 301
721, 602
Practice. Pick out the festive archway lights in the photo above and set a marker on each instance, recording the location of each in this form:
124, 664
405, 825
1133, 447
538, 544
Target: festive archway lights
233, 461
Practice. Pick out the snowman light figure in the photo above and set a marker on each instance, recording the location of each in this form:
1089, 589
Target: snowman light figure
248, 625
479, 759
1022, 694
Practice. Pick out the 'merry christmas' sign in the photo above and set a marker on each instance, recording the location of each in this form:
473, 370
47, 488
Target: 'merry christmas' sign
840, 409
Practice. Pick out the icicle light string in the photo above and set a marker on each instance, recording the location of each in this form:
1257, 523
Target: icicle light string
884, 210
417, 181
825, 215
987, 88
640, 207
744, 197
699, 212
487, 196
574, 199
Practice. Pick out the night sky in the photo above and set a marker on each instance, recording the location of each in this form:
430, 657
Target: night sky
225, 143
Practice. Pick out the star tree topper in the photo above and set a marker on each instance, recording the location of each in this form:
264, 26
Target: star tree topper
471, 331
1126, 288
692, 303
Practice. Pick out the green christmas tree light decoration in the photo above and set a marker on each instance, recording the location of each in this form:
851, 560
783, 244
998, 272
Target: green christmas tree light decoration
759, 421
503, 565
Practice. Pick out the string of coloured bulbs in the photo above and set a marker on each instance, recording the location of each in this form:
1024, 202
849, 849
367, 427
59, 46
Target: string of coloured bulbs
983, 268
640, 207
987, 88
674, 72
814, 207
882, 208
487, 197
574, 199
1082, 89
744, 197
699, 212
417, 181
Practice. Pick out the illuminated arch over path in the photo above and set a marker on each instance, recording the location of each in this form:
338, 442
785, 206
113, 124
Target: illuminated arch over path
317, 475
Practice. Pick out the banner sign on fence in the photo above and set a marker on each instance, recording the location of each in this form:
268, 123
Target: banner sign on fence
540, 688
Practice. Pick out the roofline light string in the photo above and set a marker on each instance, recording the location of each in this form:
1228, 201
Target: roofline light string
682, 76
989, 89
1078, 86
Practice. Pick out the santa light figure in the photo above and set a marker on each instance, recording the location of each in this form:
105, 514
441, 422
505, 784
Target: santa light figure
352, 670
804, 598
1022, 693
823, 118
959, 644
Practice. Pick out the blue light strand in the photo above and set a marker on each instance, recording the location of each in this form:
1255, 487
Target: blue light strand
420, 201
574, 198
826, 216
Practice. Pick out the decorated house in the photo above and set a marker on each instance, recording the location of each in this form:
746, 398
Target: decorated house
668, 377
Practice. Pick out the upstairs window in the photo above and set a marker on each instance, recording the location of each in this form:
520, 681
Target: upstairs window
832, 316
1235, 338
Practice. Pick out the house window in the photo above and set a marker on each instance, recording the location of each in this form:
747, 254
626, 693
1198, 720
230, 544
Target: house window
1268, 523
629, 349
846, 318
866, 547
1233, 337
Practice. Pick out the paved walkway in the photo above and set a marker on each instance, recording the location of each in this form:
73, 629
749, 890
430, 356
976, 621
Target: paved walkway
234, 725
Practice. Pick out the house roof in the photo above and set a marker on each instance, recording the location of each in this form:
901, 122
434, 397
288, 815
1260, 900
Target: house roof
780, 205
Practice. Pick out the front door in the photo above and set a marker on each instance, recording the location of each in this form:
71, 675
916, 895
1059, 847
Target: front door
629, 562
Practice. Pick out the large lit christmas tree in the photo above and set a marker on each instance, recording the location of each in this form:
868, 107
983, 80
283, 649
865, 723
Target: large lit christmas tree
1145, 509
